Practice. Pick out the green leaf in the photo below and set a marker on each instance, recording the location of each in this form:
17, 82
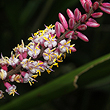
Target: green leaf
87, 74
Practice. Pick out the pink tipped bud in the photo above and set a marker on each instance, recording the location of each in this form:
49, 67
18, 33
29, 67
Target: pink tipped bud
7, 85
57, 29
82, 2
69, 34
61, 28
106, 10
90, 2
87, 6
106, 5
92, 24
70, 13
63, 21
82, 36
71, 23
82, 27
83, 18
97, 15
77, 14
95, 5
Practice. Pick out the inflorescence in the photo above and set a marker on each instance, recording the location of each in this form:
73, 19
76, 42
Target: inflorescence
51, 44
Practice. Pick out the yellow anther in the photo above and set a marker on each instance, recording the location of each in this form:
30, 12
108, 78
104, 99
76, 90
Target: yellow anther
30, 44
72, 45
70, 51
67, 49
68, 42
30, 83
49, 57
13, 92
17, 55
46, 39
22, 43
54, 60
41, 68
30, 38
29, 48
56, 64
62, 47
38, 71
48, 71
34, 76
53, 49
45, 54
64, 55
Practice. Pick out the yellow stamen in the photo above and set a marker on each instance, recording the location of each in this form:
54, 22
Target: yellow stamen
30, 38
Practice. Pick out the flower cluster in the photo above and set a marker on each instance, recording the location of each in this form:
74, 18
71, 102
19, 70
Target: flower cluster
50, 44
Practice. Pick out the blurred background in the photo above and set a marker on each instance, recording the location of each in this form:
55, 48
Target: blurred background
18, 19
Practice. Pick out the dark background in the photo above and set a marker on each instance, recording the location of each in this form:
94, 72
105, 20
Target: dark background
18, 19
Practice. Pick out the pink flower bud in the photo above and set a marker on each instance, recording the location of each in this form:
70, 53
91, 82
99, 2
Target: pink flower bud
82, 27
87, 6
71, 23
77, 14
7, 85
70, 13
57, 29
106, 10
95, 5
61, 28
97, 15
83, 18
90, 2
106, 5
82, 36
69, 34
82, 2
63, 21
92, 24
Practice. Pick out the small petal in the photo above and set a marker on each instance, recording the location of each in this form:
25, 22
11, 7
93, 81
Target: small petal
106, 10
95, 5
71, 23
57, 29
82, 36
70, 13
82, 27
63, 21
97, 15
